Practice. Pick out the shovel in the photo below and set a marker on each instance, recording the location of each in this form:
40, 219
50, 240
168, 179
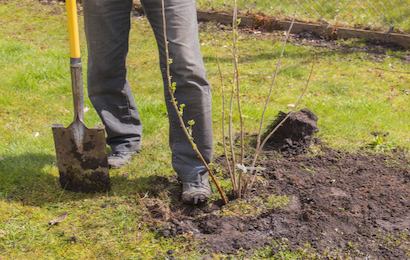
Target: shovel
81, 152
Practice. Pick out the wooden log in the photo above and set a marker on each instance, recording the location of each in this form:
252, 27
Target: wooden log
270, 23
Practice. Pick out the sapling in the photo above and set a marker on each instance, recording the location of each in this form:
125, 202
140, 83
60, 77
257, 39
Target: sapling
240, 183
179, 110
245, 179
235, 84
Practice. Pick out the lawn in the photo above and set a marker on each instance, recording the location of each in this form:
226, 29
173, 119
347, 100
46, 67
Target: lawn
355, 94
374, 15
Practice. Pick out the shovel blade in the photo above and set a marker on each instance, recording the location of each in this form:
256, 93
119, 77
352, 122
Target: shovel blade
82, 164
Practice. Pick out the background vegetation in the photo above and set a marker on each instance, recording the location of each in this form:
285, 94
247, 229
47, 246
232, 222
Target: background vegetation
364, 14
354, 94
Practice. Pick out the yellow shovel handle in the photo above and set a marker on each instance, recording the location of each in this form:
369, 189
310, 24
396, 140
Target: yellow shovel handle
73, 38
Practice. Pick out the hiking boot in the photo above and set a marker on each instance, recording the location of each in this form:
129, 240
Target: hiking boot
118, 159
196, 191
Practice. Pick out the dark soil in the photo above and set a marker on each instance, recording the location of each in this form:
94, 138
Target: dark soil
294, 135
351, 204
378, 49
344, 205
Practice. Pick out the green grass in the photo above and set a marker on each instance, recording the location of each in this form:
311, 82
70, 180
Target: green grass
376, 15
349, 94
351, 97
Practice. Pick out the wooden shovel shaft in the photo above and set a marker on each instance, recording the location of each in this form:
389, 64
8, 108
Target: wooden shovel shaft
73, 37
75, 60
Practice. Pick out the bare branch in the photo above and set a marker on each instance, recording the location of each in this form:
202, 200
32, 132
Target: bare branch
274, 79
223, 118
258, 146
171, 92
236, 83
259, 149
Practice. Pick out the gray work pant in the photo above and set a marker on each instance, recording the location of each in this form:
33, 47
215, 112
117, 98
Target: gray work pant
107, 26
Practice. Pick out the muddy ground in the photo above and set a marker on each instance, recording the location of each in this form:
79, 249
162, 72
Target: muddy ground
342, 205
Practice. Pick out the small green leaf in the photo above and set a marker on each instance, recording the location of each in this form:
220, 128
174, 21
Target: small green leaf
181, 109
173, 86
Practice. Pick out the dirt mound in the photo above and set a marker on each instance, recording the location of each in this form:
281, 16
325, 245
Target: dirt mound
295, 135
343, 204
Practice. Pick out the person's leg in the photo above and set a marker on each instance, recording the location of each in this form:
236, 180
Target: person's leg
192, 88
107, 26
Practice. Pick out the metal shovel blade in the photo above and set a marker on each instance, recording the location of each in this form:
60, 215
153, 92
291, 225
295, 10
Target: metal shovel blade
81, 152
81, 157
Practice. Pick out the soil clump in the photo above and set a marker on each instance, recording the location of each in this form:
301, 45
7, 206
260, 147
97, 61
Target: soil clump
295, 135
